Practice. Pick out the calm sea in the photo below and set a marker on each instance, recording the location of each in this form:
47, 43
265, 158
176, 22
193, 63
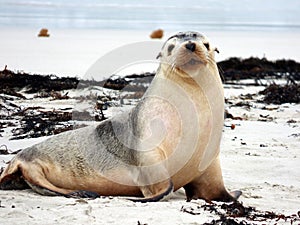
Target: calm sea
146, 14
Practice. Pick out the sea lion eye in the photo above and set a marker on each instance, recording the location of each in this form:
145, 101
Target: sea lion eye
170, 48
206, 45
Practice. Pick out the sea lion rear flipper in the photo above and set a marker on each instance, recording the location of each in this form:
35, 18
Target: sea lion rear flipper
13, 182
75, 194
82, 194
20, 174
11, 177
37, 180
42, 190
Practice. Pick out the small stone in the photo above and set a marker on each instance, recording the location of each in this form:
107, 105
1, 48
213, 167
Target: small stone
263, 145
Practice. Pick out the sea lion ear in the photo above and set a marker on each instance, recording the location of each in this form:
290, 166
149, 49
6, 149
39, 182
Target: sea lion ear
159, 55
216, 50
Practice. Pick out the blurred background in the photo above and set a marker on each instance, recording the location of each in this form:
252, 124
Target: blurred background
146, 14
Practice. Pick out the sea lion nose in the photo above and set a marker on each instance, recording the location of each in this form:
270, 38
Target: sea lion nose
190, 46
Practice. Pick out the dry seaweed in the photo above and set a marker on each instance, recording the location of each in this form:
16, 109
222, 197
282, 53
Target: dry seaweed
42, 124
230, 69
237, 214
10, 80
4, 150
256, 68
279, 94
49, 85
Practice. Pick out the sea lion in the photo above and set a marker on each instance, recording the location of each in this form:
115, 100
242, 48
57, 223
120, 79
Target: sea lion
170, 140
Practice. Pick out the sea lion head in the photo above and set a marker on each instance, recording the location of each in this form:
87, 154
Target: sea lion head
188, 52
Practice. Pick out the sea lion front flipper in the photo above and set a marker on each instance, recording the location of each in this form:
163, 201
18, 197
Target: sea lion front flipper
152, 177
209, 186
161, 191
235, 194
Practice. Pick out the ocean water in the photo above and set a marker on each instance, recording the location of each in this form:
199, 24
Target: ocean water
249, 15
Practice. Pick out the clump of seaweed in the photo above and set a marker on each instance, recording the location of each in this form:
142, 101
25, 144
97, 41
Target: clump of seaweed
279, 94
237, 214
256, 68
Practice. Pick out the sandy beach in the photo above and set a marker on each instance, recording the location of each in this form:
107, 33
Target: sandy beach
260, 156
